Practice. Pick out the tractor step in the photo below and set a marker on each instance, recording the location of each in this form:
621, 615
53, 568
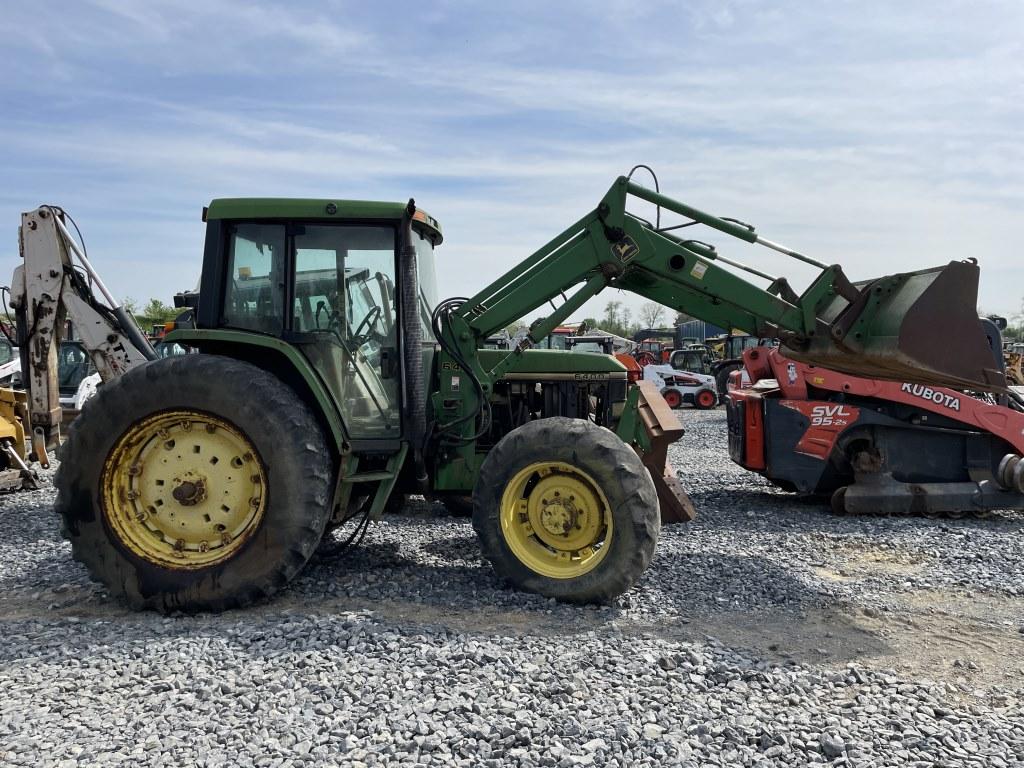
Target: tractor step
385, 478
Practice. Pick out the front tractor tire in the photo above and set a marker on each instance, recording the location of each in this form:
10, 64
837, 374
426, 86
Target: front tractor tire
565, 509
194, 483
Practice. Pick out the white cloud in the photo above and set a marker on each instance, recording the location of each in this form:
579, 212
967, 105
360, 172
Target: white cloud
880, 137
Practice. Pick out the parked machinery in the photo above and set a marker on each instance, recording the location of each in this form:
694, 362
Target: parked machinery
653, 345
728, 355
10, 363
878, 447
328, 378
681, 387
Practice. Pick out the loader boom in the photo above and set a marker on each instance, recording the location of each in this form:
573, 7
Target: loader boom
876, 328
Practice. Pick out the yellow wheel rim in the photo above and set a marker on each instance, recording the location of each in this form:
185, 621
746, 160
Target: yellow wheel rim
556, 520
184, 489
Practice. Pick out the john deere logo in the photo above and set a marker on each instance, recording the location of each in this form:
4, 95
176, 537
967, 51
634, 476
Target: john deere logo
625, 249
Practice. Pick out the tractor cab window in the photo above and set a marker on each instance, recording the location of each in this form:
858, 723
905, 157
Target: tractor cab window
427, 277
589, 346
254, 299
344, 315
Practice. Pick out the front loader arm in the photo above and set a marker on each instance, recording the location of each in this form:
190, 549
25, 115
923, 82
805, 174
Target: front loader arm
53, 284
916, 326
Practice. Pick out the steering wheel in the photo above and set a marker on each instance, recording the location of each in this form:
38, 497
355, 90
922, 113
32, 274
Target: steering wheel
362, 332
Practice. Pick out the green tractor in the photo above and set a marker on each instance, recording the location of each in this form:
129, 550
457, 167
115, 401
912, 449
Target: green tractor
330, 378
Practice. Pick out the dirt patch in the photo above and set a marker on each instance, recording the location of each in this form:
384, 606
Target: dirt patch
971, 642
862, 560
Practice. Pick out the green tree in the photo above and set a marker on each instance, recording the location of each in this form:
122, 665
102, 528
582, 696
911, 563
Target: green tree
612, 316
617, 319
651, 313
155, 312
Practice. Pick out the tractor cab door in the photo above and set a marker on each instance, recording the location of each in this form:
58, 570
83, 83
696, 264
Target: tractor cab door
328, 289
344, 319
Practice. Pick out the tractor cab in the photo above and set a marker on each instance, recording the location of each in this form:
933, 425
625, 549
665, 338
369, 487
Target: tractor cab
730, 346
558, 338
604, 345
320, 279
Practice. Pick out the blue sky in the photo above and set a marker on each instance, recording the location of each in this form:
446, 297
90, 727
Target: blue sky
883, 136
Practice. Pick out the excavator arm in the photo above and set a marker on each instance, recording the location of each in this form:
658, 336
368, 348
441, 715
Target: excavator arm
56, 283
915, 326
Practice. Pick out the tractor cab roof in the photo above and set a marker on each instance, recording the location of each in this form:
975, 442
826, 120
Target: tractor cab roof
316, 210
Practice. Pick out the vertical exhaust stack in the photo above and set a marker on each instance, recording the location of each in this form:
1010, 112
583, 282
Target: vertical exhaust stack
916, 326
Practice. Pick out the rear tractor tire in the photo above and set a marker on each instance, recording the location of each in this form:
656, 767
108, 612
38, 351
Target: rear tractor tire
565, 509
194, 483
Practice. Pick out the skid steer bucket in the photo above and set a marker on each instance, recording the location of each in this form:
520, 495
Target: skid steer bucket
919, 327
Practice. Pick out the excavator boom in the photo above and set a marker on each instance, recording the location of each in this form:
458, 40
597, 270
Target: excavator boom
55, 283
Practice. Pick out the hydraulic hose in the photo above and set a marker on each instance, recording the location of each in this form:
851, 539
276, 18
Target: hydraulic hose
131, 330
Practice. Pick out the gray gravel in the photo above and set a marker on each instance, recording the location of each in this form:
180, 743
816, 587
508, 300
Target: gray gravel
769, 632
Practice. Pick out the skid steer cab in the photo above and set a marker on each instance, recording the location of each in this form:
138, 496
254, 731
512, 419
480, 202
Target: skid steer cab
330, 379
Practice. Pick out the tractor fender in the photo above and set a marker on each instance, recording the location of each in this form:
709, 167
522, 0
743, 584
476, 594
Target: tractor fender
279, 358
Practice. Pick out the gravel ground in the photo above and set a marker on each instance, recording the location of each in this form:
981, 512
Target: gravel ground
768, 632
